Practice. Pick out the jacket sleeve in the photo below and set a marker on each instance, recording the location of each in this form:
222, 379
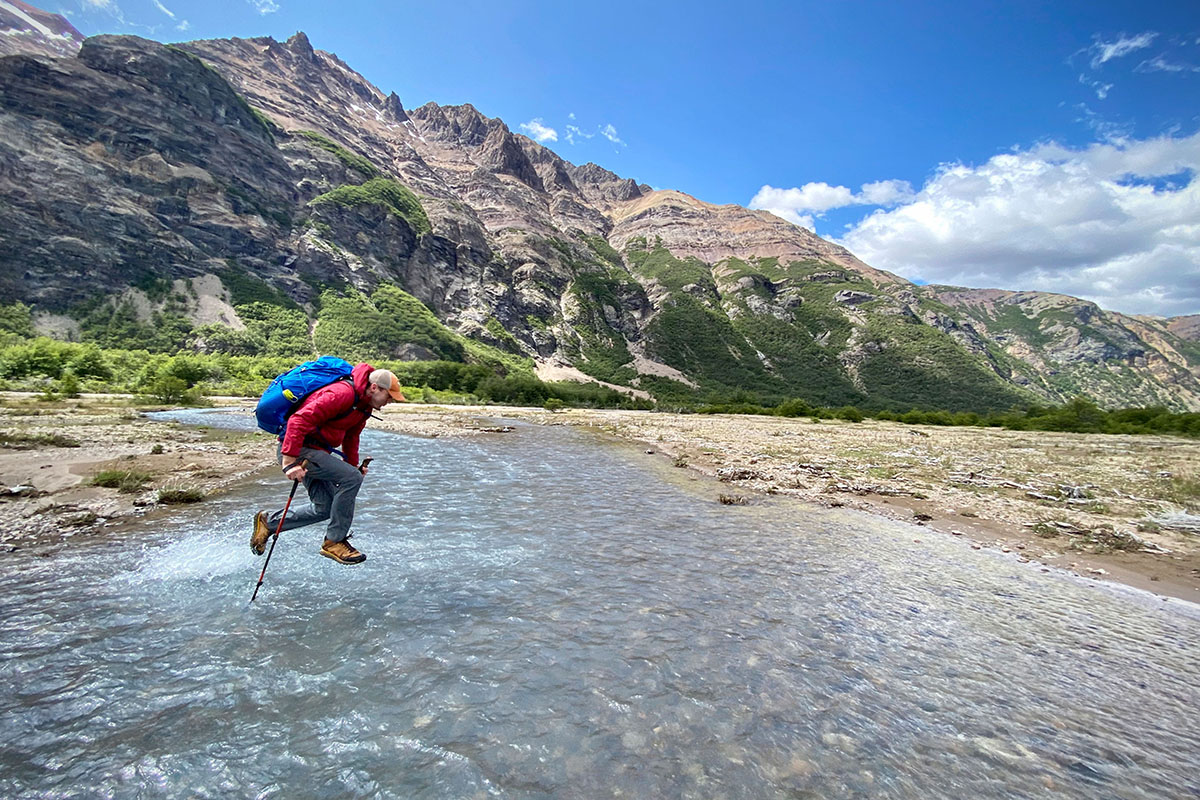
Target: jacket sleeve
320, 407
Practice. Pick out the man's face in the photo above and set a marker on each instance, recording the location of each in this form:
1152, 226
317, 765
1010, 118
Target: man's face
377, 396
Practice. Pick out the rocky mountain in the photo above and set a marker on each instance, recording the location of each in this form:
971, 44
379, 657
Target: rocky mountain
25, 29
193, 184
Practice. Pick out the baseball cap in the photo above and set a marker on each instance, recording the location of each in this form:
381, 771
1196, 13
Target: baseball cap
385, 379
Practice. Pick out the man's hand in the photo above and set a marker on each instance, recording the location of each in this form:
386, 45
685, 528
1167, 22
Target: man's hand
363, 466
296, 471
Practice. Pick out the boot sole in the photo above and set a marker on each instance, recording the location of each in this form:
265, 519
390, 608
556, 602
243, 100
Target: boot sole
257, 550
343, 560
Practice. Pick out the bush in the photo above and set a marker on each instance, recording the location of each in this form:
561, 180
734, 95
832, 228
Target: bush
179, 496
30, 441
850, 414
89, 361
284, 330
68, 384
126, 481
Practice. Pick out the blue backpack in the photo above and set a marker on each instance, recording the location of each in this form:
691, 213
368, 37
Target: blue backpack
287, 392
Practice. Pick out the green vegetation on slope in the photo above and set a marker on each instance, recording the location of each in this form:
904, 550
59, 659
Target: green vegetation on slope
245, 287
358, 326
385, 192
352, 160
673, 273
917, 366
599, 285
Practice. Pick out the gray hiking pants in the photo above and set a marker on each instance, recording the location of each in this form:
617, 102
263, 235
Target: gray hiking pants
332, 487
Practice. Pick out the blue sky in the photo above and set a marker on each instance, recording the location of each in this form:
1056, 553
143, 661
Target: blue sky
1021, 145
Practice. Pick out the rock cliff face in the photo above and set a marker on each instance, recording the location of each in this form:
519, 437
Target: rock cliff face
25, 29
134, 163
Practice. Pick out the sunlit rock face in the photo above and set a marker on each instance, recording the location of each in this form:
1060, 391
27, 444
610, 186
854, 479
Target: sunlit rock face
29, 30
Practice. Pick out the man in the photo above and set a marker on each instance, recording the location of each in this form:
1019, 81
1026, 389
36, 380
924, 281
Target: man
331, 417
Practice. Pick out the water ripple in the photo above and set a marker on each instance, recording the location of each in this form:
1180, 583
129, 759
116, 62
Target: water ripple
540, 616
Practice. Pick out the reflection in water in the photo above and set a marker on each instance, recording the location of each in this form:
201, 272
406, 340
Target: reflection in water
540, 616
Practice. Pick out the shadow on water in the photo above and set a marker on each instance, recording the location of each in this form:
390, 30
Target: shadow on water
540, 616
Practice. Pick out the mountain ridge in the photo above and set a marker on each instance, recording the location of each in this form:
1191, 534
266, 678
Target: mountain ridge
565, 264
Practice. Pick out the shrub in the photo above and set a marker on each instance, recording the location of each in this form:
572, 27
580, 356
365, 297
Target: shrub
30, 441
180, 495
284, 330
126, 481
89, 361
169, 389
68, 384
223, 339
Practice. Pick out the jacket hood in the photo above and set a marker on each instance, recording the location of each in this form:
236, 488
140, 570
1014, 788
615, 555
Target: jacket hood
359, 376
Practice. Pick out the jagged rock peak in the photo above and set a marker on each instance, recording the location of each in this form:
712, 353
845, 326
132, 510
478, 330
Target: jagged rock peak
600, 185
594, 173
555, 172
300, 45
502, 152
463, 124
394, 108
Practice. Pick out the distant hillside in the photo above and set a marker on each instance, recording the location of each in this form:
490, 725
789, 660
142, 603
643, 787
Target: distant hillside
266, 188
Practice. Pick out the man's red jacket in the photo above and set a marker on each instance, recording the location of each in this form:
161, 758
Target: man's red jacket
322, 420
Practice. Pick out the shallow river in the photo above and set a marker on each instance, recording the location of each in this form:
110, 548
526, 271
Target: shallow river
544, 616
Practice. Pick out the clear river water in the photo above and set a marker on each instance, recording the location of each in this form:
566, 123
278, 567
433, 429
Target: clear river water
542, 615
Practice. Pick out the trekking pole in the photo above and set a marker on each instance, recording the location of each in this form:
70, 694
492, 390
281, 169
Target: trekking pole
275, 538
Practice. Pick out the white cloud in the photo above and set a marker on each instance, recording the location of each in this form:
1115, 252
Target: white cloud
1160, 64
1124, 45
610, 133
264, 7
1102, 89
574, 132
1106, 129
799, 205
885, 193
183, 26
164, 9
1117, 223
535, 130
104, 4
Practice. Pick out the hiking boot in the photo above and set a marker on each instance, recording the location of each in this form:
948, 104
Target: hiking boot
342, 552
258, 539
